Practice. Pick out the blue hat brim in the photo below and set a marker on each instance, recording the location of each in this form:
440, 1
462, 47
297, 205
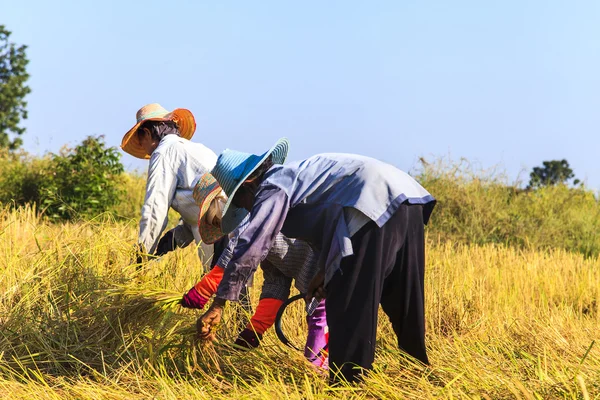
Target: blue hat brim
232, 215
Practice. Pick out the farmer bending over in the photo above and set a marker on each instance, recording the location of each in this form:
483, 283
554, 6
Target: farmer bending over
175, 165
366, 218
287, 259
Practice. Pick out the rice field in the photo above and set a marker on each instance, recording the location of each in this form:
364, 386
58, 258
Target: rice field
79, 320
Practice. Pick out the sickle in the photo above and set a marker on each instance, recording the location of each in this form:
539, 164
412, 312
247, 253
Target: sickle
278, 330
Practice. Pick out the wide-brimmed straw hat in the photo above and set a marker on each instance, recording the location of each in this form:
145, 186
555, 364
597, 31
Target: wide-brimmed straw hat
186, 124
204, 193
233, 168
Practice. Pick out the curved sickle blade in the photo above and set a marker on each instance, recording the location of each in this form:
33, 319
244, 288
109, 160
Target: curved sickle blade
278, 331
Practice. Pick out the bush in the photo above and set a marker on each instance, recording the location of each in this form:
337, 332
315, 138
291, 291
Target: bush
76, 183
23, 178
132, 199
85, 181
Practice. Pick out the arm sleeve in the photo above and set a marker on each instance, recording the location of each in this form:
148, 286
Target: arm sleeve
209, 283
266, 219
233, 239
160, 190
265, 315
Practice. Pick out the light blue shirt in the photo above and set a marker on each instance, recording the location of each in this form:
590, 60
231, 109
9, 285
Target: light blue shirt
330, 184
324, 200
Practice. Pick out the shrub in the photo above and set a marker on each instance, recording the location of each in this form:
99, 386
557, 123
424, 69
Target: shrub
85, 181
132, 199
23, 177
76, 183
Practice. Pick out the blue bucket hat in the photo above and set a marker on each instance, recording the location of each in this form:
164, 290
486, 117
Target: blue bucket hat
233, 168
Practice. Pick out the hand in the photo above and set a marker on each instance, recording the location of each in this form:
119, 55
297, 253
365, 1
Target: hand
248, 339
210, 319
193, 299
165, 244
316, 287
139, 254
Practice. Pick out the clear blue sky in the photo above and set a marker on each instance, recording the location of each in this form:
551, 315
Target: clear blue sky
505, 82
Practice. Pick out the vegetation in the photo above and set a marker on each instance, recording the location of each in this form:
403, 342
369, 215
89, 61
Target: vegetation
552, 173
13, 89
481, 207
77, 183
474, 206
22, 178
85, 181
513, 281
79, 321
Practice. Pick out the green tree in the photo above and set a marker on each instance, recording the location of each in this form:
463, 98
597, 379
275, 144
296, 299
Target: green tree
13, 76
552, 173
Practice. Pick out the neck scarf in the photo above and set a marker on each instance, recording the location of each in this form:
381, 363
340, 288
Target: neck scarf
162, 130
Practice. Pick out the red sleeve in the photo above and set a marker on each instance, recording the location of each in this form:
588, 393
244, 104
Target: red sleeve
265, 314
209, 283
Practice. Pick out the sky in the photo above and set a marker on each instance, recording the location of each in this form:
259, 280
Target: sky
504, 84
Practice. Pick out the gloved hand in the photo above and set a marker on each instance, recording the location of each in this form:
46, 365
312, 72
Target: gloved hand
139, 255
193, 299
166, 244
197, 296
316, 339
248, 339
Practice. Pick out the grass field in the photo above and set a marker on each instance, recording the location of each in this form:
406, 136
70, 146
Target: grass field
79, 321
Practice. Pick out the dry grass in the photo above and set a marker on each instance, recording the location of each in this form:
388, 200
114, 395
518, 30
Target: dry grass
79, 321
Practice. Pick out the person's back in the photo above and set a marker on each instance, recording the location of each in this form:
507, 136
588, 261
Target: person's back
189, 161
325, 178
334, 195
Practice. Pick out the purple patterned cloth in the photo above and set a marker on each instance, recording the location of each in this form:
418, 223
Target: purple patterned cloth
193, 299
316, 340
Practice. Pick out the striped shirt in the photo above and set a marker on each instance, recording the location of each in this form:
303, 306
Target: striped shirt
287, 260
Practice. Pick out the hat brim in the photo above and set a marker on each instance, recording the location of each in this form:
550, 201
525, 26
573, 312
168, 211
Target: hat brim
186, 124
232, 215
208, 232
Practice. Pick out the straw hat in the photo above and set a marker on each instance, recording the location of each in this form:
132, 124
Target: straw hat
155, 112
204, 193
233, 168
